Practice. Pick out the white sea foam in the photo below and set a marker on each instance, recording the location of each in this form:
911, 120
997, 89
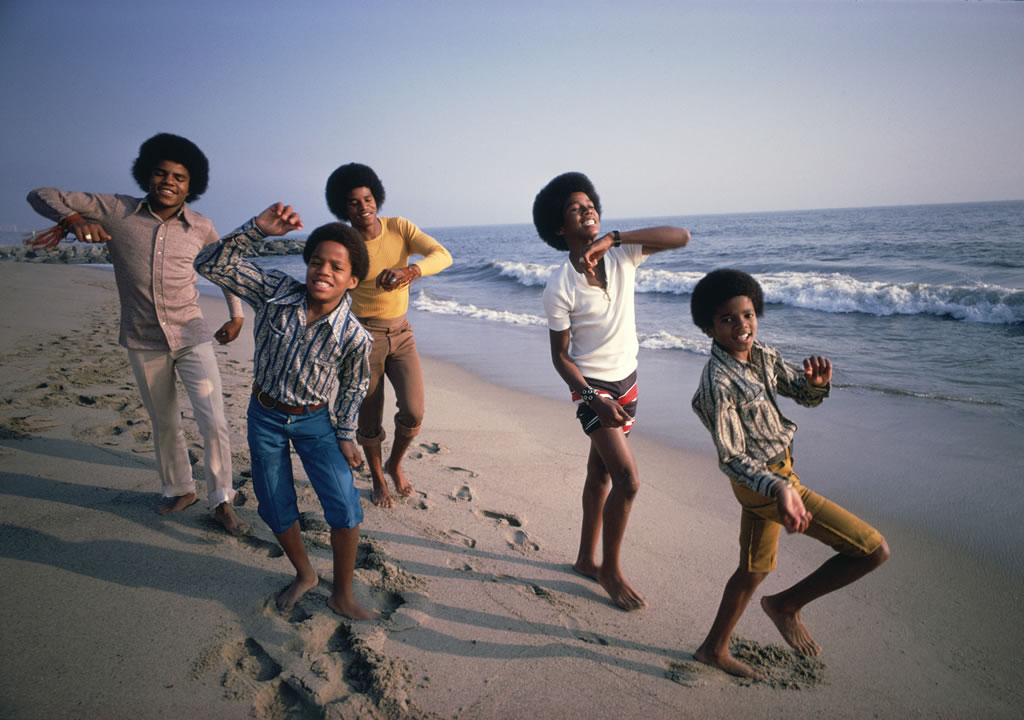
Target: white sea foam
832, 293
839, 293
424, 302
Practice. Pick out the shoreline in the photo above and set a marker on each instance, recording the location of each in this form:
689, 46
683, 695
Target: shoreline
483, 616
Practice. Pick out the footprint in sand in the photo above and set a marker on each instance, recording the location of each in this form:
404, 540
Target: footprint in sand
460, 537
464, 493
688, 674
502, 518
431, 449
519, 540
471, 473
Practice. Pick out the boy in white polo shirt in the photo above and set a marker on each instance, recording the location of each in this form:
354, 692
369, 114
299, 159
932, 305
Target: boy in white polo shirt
592, 330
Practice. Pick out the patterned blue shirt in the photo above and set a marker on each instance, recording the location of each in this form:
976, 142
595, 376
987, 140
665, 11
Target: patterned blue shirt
294, 364
736, 402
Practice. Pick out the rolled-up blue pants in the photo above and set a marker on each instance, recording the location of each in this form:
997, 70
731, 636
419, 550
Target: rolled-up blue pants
312, 435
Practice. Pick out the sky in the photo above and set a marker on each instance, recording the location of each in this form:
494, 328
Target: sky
466, 109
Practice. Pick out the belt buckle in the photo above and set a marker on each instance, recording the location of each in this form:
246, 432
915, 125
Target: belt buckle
259, 399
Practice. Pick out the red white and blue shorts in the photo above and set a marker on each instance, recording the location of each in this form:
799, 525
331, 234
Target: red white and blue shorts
624, 392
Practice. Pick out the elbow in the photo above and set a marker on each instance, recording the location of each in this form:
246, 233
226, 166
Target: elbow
684, 239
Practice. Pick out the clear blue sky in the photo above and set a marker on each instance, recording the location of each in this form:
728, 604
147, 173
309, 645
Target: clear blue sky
466, 109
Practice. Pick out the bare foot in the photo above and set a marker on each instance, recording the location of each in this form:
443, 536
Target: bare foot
225, 515
352, 610
394, 469
727, 663
380, 495
177, 504
586, 569
792, 628
287, 598
622, 593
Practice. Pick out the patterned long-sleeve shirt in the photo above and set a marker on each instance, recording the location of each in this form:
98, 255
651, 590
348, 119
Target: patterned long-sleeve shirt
152, 261
736, 401
294, 364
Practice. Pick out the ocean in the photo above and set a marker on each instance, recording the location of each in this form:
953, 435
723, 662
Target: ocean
920, 308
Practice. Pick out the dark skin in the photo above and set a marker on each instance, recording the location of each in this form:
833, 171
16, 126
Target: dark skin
612, 480
734, 328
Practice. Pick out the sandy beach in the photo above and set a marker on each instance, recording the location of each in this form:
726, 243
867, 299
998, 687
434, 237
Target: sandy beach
113, 611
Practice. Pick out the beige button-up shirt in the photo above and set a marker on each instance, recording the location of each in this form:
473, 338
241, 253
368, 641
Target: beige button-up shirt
152, 261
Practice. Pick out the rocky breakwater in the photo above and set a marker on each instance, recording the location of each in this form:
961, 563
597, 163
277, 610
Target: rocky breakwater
85, 253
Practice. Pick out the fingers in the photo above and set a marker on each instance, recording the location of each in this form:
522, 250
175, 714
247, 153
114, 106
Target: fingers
394, 278
818, 369
278, 219
90, 232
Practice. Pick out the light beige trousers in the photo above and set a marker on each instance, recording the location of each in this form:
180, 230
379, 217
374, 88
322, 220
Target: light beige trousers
155, 372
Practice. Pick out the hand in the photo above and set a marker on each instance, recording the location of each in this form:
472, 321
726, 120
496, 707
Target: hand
609, 412
795, 517
278, 219
593, 252
818, 370
351, 453
229, 330
88, 231
395, 278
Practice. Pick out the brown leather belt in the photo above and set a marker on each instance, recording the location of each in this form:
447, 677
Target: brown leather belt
271, 404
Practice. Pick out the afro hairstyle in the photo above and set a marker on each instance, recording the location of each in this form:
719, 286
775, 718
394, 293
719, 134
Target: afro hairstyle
165, 146
345, 236
549, 205
717, 287
347, 178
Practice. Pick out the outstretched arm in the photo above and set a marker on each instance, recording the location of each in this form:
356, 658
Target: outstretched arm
610, 412
653, 239
64, 208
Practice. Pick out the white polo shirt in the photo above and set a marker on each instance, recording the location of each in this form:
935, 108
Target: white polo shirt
601, 325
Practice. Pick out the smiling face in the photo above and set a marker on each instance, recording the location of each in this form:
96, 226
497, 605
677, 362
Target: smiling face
361, 207
329, 274
580, 219
735, 326
168, 187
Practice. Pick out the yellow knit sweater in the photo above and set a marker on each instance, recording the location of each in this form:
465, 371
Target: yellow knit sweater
398, 240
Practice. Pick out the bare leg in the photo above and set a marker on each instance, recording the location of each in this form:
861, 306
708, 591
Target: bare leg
595, 492
836, 572
177, 504
714, 650
399, 447
305, 577
226, 516
345, 543
617, 458
380, 495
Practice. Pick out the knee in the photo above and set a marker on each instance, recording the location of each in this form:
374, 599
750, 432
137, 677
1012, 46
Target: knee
627, 482
880, 555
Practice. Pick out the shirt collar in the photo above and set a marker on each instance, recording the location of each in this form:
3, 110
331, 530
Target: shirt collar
722, 355
186, 214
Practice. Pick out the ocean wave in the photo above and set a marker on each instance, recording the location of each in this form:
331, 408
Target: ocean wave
527, 274
839, 293
662, 340
424, 302
831, 293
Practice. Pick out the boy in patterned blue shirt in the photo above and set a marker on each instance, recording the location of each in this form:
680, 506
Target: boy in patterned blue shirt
307, 345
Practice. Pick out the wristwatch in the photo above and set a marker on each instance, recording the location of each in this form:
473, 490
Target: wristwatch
588, 394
